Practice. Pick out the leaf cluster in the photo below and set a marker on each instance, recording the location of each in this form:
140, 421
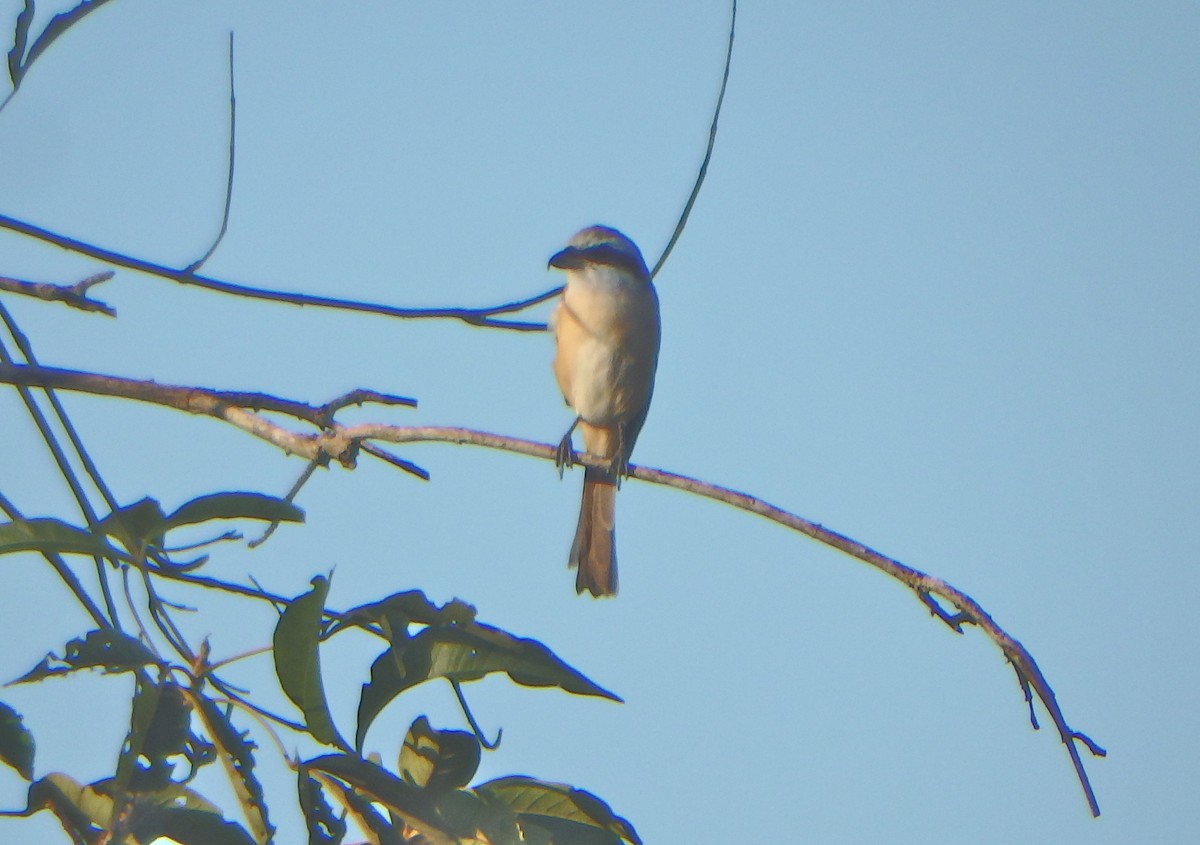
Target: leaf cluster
182, 715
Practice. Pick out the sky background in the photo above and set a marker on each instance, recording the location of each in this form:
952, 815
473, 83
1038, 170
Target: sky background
939, 293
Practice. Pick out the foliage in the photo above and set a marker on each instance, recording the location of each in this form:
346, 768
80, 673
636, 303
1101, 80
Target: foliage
182, 716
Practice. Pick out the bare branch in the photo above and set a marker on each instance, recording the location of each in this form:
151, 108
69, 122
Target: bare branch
194, 400
73, 295
712, 140
482, 317
922, 584
229, 406
341, 443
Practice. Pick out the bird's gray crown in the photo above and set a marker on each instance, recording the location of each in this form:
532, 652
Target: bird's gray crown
601, 245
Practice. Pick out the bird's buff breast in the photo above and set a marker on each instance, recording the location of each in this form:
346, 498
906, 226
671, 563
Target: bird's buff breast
606, 332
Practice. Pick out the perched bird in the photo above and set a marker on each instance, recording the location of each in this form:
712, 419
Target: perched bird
606, 335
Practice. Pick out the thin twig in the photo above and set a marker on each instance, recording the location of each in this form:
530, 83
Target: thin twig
60, 412
64, 572
482, 317
133, 611
74, 295
56, 451
712, 140
222, 586
396, 461
490, 745
289, 498
199, 262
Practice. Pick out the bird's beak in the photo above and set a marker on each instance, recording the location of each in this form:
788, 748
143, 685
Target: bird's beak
566, 259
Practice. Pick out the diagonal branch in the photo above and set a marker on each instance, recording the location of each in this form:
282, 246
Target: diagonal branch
482, 317
342, 443
922, 584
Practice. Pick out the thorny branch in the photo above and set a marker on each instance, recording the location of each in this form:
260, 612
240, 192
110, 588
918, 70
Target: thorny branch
342, 443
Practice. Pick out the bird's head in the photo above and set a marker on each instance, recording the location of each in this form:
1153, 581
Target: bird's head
601, 245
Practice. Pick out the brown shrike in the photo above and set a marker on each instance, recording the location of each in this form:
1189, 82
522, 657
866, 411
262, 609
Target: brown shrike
606, 335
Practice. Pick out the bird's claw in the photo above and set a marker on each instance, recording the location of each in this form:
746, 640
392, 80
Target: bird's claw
618, 468
564, 456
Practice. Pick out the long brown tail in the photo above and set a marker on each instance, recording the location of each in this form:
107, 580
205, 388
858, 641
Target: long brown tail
594, 551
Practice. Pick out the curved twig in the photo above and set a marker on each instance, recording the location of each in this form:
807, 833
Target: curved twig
199, 262
490, 745
712, 140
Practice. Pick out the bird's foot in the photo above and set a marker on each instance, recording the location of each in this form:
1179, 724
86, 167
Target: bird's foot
564, 456
618, 468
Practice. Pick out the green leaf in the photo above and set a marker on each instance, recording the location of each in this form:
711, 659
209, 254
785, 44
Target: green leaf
237, 756
16, 742
138, 526
370, 821
146, 696
400, 610
185, 826
561, 831
82, 810
438, 760
377, 785
464, 653
550, 804
20, 37
500, 825
324, 826
298, 663
50, 536
59, 24
159, 734
108, 649
236, 505
477, 819
172, 795
168, 734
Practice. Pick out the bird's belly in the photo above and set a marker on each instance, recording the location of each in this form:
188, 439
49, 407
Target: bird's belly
596, 392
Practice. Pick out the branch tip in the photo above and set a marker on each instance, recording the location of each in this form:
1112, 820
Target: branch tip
953, 621
1095, 749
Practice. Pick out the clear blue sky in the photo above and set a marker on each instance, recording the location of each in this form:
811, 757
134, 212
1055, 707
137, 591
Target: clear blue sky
940, 292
